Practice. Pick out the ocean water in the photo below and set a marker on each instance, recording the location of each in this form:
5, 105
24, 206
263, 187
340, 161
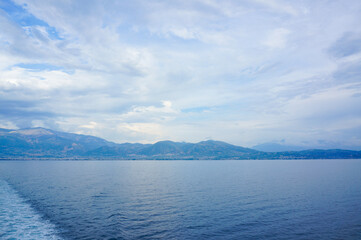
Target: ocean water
311, 199
18, 220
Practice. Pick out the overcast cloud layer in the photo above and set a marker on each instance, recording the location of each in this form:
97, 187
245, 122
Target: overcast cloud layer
245, 72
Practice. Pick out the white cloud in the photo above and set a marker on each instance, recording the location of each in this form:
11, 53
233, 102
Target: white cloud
279, 6
141, 131
8, 125
137, 66
90, 125
277, 38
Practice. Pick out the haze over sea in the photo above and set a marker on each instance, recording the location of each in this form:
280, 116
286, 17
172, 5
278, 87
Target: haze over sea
180, 199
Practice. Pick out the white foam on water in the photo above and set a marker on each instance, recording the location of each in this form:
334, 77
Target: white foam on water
18, 220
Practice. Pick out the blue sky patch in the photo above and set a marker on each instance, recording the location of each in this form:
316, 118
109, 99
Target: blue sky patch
39, 66
22, 17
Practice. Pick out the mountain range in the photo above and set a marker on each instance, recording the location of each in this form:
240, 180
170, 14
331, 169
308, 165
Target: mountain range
41, 143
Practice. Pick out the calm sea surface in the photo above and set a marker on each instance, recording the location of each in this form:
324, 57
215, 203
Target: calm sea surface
180, 199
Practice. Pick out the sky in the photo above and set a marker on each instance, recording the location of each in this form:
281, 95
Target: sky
242, 71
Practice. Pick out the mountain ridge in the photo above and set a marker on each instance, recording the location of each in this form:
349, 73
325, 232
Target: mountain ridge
42, 143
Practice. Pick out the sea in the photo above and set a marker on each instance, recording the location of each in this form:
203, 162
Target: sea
255, 199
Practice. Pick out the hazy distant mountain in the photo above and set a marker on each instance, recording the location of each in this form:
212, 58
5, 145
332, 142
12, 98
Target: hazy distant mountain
40, 142
174, 150
44, 143
276, 147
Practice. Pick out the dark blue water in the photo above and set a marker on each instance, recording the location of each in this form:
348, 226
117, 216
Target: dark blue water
181, 199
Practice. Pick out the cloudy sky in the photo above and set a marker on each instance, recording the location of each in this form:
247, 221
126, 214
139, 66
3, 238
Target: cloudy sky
241, 71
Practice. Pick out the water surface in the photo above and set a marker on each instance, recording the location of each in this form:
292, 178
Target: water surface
318, 199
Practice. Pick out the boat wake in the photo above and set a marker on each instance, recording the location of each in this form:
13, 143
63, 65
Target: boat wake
18, 220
